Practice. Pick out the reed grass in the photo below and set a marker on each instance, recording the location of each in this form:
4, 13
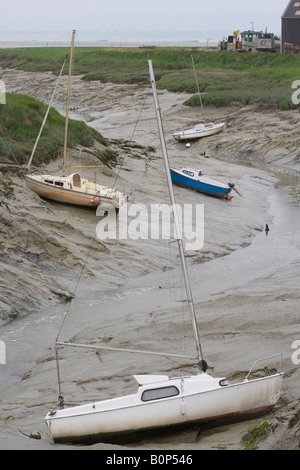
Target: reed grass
20, 121
225, 77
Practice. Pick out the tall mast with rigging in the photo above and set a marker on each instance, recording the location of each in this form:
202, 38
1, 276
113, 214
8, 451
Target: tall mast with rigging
197, 83
67, 105
176, 221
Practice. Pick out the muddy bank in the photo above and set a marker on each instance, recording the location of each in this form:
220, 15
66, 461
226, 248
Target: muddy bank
246, 301
43, 250
255, 134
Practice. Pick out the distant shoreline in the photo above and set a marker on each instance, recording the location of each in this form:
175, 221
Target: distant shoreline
209, 44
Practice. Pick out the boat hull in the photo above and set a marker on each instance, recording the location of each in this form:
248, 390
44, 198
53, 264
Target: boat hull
129, 417
198, 133
68, 196
201, 185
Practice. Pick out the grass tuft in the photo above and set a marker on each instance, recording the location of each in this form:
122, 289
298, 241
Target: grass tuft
20, 121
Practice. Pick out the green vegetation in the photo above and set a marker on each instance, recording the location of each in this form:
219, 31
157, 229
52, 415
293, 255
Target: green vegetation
256, 435
20, 121
225, 77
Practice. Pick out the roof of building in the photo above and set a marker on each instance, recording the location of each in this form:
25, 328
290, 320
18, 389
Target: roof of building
292, 10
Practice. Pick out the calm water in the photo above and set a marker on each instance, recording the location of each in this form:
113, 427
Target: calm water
112, 38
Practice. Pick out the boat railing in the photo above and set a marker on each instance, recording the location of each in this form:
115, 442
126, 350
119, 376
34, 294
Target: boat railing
261, 360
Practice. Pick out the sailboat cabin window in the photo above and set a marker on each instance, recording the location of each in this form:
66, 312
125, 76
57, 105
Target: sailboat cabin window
189, 173
158, 393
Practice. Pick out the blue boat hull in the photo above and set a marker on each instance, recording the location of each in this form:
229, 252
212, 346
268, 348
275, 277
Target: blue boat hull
201, 187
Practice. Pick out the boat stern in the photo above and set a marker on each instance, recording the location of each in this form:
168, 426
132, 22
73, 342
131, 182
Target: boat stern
177, 136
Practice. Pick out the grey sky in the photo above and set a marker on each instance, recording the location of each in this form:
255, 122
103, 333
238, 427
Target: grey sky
145, 15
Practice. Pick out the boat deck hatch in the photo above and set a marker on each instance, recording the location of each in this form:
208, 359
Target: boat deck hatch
77, 180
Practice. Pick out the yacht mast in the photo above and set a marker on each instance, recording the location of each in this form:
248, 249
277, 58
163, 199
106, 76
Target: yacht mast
67, 106
176, 221
197, 83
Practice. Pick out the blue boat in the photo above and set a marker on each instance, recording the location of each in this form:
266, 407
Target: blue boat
194, 179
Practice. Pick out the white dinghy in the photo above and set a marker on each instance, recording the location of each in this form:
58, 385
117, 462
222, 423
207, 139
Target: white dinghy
161, 402
199, 131
203, 129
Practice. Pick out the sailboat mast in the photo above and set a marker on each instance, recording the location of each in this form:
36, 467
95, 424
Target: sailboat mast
197, 83
45, 118
176, 221
67, 106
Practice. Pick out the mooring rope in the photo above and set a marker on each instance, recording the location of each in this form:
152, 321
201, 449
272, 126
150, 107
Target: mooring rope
133, 132
75, 289
60, 396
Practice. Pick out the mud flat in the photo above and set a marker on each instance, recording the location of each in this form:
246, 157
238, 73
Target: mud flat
244, 281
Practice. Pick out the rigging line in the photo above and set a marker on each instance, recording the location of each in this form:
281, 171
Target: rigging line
46, 115
180, 152
223, 260
9, 146
136, 124
286, 385
176, 221
75, 289
175, 298
176, 294
197, 83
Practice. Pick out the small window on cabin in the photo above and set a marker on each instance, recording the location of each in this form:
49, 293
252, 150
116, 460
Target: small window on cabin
59, 183
189, 173
159, 393
49, 181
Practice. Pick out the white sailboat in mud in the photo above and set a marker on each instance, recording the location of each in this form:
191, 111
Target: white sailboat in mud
162, 402
203, 129
70, 189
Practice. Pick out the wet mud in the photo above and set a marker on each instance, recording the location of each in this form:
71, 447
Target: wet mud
55, 273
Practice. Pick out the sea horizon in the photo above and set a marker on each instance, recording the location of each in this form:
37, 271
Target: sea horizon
37, 38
